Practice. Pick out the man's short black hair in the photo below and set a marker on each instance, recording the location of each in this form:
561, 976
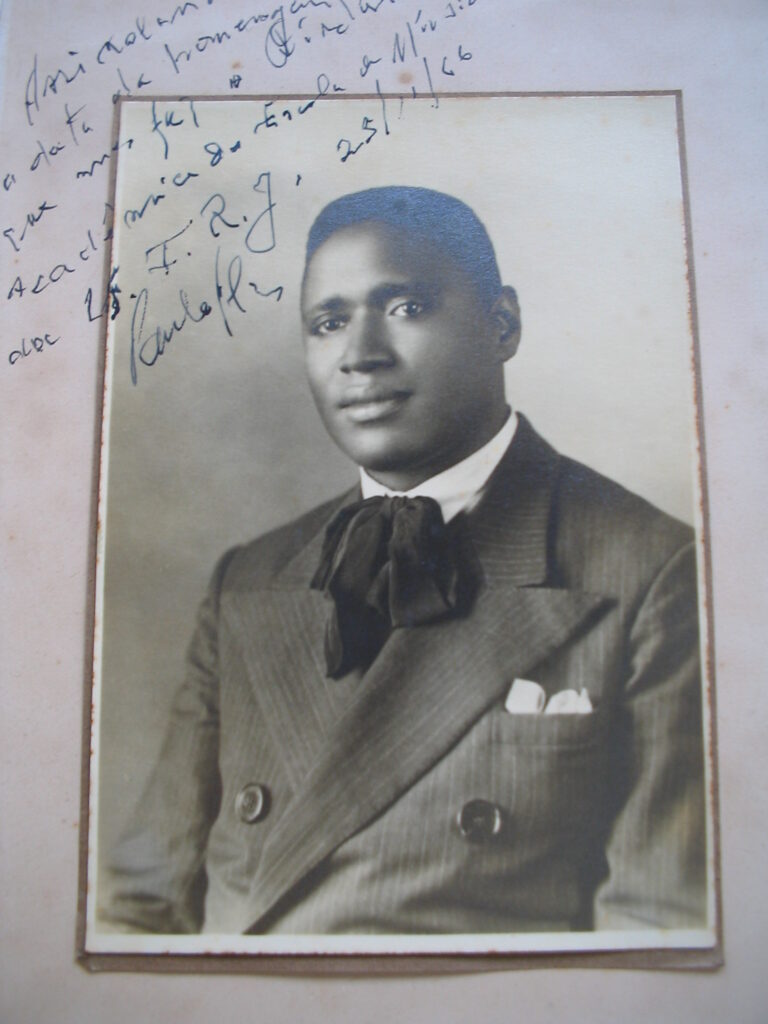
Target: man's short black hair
434, 217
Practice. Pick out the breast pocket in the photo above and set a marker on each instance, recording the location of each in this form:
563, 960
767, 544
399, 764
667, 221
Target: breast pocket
547, 773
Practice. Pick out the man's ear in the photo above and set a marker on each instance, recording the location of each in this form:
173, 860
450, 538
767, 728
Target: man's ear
505, 319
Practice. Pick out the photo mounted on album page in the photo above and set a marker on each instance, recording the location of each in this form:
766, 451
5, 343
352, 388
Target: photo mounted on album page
402, 639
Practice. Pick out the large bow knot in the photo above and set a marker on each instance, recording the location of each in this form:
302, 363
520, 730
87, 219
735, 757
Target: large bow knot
386, 563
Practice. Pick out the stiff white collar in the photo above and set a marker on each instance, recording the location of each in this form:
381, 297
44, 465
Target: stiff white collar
460, 487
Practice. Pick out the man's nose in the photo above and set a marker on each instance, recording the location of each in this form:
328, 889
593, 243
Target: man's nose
367, 347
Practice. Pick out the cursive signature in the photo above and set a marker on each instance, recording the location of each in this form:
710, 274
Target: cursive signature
147, 347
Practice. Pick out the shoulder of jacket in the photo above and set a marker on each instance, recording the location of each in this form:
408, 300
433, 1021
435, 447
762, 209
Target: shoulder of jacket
587, 500
603, 531
259, 560
604, 501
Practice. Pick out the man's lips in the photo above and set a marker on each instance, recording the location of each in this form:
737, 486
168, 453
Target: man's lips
363, 405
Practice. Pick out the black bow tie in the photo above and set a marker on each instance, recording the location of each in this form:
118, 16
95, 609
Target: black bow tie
386, 563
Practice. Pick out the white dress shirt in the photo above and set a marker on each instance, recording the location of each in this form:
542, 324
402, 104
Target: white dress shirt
460, 487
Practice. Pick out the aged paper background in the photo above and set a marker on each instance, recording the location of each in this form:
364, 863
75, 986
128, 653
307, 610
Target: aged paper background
50, 400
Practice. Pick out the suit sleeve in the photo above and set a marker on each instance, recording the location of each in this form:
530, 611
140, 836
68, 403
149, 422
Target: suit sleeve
656, 849
155, 877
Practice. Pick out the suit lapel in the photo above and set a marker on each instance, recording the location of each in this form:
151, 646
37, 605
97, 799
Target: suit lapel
281, 629
363, 747
512, 526
425, 690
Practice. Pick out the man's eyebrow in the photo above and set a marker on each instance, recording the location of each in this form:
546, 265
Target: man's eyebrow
382, 294
329, 305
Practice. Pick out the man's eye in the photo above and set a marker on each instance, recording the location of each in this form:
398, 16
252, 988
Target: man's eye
329, 325
408, 308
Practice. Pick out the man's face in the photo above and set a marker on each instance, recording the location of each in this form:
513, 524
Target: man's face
404, 363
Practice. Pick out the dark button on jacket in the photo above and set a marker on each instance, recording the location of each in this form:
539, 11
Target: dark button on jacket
479, 820
252, 803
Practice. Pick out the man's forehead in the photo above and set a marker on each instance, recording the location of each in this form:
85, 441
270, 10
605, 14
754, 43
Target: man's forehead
373, 252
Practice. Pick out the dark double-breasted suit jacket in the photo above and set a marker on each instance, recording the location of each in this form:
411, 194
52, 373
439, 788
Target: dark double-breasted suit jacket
285, 801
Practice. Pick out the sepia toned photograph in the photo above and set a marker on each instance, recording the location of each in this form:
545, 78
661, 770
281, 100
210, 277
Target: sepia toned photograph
401, 632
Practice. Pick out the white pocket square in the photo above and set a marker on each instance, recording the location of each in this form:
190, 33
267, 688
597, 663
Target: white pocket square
526, 697
568, 702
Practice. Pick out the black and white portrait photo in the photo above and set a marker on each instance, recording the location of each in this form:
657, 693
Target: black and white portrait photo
401, 632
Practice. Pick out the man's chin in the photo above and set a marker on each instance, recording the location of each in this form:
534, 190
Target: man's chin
375, 449
401, 473
381, 464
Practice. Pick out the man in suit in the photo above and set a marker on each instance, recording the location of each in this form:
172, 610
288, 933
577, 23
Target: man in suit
464, 696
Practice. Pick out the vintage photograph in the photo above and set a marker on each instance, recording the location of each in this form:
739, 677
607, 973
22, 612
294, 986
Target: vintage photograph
401, 628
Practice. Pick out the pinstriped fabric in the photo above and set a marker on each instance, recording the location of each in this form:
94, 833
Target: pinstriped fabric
585, 586
410, 708
412, 870
522, 513
287, 677
663, 747
154, 879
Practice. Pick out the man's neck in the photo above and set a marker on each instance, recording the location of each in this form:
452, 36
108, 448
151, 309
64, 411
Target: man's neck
406, 481
459, 487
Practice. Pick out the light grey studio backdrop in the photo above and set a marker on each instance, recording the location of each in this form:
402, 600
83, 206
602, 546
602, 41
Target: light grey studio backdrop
219, 440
